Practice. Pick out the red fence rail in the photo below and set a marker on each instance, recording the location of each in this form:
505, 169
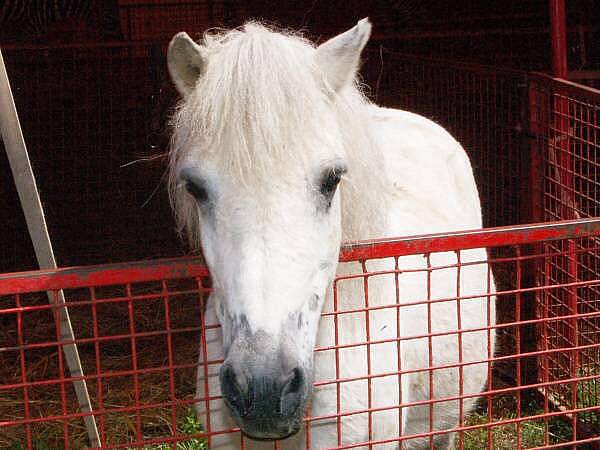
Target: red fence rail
139, 326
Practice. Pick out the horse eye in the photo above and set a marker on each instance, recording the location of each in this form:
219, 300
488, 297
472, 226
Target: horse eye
197, 190
330, 181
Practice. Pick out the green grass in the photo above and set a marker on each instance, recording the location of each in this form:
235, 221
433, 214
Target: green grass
531, 433
188, 425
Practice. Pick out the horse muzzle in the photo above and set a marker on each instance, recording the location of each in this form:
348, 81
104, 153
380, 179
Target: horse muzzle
265, 394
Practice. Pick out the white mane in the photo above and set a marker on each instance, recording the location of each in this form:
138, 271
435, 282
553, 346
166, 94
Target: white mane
258, 99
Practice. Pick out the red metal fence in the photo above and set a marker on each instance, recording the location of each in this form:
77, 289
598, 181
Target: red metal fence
534, 144
565, 129
139, 328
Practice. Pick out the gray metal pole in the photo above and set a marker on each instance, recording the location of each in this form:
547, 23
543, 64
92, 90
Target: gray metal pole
14, 143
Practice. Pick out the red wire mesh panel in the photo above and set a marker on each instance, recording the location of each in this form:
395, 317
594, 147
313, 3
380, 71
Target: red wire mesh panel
140, 329
566, 145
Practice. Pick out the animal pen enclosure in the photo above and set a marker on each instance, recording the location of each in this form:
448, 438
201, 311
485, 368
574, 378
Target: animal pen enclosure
140, 371
534, 145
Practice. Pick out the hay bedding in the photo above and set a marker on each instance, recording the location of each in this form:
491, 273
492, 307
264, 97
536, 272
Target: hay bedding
115, 359
115, 363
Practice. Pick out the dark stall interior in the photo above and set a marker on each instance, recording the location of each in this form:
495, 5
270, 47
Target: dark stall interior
94, 99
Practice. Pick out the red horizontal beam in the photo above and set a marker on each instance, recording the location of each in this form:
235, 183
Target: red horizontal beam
193, 267
565, 87
487, 237
102, 275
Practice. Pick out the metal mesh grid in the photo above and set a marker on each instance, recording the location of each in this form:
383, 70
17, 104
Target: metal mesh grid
140, 329
86, 112
566, 151
161, 19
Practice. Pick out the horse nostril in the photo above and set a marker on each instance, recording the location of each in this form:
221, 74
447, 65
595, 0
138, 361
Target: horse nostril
295, 382
292, 393
234, 389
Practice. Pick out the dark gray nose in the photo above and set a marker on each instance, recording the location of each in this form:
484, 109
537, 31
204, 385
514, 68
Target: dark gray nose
266, 401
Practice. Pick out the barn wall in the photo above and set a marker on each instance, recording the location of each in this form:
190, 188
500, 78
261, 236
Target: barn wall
91, 102
88, 112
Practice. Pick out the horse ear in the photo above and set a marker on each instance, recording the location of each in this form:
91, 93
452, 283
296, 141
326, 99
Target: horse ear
339, 56
185, 61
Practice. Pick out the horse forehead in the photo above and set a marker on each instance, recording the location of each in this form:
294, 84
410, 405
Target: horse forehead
264, 203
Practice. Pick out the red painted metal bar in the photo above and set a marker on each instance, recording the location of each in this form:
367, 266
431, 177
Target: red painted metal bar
566, 87
538, 104
190, 267
489, 237
558, 34
102, 275
561, 144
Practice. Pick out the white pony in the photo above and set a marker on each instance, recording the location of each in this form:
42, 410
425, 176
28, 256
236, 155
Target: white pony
268, 126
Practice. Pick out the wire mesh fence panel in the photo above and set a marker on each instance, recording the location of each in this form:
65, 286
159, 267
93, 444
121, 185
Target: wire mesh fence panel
144, 335
566, 145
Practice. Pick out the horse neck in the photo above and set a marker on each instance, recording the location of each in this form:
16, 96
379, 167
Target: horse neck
364, 197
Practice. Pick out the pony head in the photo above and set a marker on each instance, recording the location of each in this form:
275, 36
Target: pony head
260, 144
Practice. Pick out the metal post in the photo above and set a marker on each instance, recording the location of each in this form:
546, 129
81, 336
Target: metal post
562, 145
558, 33
18, 159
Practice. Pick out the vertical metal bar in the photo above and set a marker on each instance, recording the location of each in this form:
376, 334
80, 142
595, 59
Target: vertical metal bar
134, 364
398, 343
538, 128
337, 364
166, 300
518, 337
543, 343
21, 342
572, 269
490, 355
461, 380
558, 34
99, 379
24, 178
203, 359
430, 351
368, 336
61, 372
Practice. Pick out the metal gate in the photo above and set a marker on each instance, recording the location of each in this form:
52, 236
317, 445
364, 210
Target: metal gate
139, 328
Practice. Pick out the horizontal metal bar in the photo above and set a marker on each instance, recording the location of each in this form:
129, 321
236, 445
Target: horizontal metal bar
102, 275
565, 87
487, 237
193, 267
